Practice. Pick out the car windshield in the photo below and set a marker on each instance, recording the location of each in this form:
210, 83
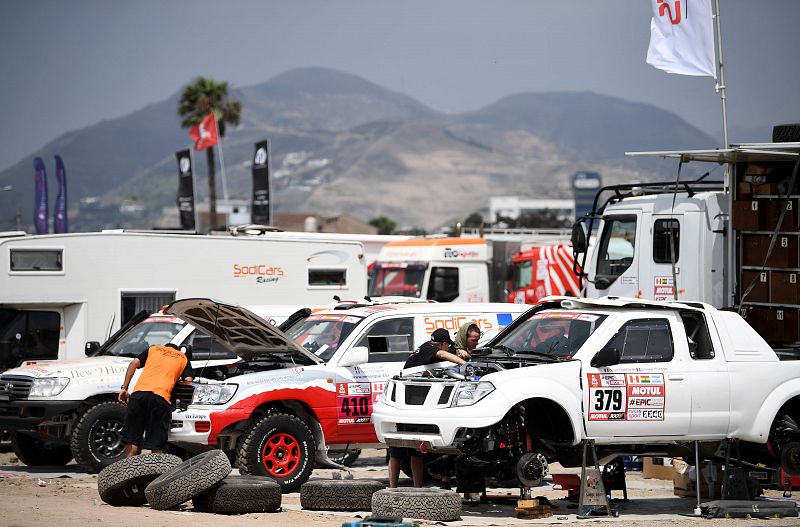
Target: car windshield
397, 279
558, 334
323, 334
149, 332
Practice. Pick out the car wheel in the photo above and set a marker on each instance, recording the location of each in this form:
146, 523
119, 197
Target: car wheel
240, 495
96, 440
280, 447
35, 452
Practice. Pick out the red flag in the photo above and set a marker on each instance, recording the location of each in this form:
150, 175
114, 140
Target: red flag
205, 134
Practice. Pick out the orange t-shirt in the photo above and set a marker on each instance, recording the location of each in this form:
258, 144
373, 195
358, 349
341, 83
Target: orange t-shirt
163, 366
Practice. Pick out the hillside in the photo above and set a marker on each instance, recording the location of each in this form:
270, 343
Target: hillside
341, 143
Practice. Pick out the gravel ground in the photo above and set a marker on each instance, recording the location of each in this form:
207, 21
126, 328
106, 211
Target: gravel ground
67, 496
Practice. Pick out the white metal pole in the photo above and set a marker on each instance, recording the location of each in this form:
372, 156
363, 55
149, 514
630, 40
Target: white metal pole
721, 84
222, 166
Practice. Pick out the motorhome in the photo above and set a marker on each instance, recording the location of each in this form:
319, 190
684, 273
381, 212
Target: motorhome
60, 291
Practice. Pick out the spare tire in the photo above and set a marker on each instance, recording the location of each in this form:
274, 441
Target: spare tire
123, 482
786, 133
240, 495
424, 504
339, 494
188, 479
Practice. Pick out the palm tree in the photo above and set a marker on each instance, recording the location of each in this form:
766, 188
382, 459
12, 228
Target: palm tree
198, 100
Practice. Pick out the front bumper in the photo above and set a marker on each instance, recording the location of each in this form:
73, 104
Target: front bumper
434, 425
28, 414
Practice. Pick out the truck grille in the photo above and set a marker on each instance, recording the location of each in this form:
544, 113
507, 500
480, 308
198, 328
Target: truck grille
416, 394
13, 387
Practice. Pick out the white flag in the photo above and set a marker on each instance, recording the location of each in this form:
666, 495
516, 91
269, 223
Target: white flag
682, 37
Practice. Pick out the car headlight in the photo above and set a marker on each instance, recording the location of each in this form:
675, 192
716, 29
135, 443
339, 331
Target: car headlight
469, 393
213, 393
48, 386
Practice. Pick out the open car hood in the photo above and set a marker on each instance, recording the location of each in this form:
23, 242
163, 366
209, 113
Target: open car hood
238, 329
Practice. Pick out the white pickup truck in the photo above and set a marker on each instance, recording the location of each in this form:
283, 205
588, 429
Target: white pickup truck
637, 377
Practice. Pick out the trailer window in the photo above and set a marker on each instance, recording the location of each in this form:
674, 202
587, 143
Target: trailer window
26, 335
328, 277
37, 260
644, 340
617, 246
152, 302
666, 235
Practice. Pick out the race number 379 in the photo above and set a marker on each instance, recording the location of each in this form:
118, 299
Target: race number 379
608, 399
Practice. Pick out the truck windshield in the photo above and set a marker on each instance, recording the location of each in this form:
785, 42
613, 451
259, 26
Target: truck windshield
397, 279
149, 332
323, 334
558, 334
522, 274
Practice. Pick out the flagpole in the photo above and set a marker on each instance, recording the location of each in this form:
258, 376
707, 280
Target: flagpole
222, 165
720, 87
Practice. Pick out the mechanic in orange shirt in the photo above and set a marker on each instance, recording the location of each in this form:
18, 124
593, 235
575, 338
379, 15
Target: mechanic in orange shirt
149, 409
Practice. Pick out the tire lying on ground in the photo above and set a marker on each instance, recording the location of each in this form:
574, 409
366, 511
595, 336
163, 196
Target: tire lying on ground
187, 480
339, 494
240, 495
424, 504
123, 482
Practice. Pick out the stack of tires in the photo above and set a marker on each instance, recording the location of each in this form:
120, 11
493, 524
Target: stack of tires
165, 482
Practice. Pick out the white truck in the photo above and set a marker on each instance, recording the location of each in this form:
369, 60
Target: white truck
57, 410
637, 377
59, 292
476, 267
298, 395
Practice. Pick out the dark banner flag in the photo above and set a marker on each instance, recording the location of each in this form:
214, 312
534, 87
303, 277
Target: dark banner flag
40, 212
262, 208
185, 198
60, 212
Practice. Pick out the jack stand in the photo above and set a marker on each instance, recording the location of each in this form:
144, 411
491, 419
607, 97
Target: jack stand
593, 497
697, 511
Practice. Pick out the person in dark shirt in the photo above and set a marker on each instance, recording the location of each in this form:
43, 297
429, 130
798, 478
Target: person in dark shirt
435, 350
149, 408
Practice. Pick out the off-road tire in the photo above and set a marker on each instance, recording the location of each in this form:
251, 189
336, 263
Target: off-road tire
187, 480
344, 457
786, 133
123, 483
280, 447
36, 453
96, 440
424, 504
240, 495
339, 494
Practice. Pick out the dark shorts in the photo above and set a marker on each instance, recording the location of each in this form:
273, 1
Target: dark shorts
403, 453
148, 416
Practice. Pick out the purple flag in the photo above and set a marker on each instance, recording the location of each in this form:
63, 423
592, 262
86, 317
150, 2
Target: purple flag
40, 212
60, 212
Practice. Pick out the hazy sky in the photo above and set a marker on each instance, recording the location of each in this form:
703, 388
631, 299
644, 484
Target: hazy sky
68, 64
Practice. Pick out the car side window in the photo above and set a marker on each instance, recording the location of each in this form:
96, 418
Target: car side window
644, 340
697, 336
206, 348
389, 340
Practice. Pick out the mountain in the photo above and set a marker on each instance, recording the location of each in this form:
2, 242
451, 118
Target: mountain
340, 143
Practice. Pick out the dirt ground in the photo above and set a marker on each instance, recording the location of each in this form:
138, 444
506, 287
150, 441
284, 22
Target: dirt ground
67, 497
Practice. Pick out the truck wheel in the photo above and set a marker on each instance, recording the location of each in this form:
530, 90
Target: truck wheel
96, 440
339, 494
187, 480
424, 504
344, 457
36, 453
240, 495
123, 483
280, 447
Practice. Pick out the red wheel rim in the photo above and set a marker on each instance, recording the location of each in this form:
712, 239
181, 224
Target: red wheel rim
280, 455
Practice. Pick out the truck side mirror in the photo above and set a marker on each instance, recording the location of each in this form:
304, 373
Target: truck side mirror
355, 356
91, 347
606, 357
578, 238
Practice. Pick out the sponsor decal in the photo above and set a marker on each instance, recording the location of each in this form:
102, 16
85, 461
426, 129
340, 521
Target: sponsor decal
328, 257
294, 374
111, 369
455, 322
460, 253
263, 273
354, 402
663, 288
626, 396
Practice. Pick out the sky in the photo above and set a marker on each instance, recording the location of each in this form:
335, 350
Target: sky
65, 65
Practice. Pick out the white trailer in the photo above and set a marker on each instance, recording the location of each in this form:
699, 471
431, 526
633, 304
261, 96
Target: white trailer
59, 292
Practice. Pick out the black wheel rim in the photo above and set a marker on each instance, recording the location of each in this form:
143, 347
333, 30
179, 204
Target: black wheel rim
105, 439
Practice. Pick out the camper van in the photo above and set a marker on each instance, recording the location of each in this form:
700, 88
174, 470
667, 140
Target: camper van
59, 292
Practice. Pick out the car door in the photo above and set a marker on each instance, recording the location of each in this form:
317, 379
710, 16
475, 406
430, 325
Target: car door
648, 392
389, 341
